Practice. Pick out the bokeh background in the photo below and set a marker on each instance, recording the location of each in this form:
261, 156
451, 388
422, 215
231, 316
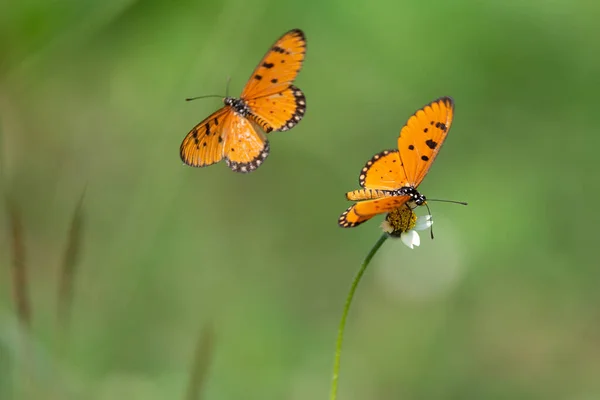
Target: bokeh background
503, 304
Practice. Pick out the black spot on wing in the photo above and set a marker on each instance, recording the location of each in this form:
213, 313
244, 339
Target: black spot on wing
432, 144
279, 50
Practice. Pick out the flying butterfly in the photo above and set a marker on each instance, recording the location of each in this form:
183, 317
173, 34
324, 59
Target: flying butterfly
269, 102
390, 179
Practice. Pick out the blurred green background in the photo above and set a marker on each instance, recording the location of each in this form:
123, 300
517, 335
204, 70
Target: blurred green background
503, 304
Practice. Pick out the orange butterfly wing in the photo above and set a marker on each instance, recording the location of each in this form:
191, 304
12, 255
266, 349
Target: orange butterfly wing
204, 144
245, 147
365, 210
280, 111
380, 174
422, 137
278, 68
274, 103
383, 171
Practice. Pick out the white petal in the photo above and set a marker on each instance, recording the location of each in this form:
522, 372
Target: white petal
423, 223
416, 238
405, 237
387, 228
410, 238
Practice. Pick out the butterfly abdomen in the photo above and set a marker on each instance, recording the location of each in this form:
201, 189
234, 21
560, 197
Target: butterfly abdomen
368, 194
262, 123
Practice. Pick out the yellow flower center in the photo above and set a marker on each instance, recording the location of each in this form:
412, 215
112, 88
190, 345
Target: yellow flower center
401, 220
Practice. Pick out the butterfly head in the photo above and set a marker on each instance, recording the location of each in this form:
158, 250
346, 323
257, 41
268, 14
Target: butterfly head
239, 106
416, 198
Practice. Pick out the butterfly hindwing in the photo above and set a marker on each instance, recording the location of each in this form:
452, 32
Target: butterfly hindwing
365, 210
422, 137
245, 147
279, 67
203, 145
280, 111
383, 171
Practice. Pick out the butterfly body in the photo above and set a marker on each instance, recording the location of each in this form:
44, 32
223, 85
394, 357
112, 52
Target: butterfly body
239, 106
389, 180
269, 102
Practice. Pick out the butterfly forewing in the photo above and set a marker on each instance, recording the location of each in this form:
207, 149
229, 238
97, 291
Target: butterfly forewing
278, 68
422, 137
204, 144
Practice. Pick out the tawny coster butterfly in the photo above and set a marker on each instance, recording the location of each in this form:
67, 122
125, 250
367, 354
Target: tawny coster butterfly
390, 179
269, 102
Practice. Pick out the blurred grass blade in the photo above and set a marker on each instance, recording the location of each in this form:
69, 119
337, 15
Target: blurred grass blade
69, 265
202, 359
19, 270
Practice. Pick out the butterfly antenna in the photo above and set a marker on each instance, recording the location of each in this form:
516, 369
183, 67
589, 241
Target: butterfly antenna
462, 203
227, 86
203, 97
430, 226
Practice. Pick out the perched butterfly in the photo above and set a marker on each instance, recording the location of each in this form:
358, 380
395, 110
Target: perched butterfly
269, 101
390, 179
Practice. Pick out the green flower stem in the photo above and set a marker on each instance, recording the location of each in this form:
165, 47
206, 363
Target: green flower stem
340, 337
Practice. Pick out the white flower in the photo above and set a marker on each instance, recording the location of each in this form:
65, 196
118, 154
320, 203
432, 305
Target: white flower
408, 231
411, 237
